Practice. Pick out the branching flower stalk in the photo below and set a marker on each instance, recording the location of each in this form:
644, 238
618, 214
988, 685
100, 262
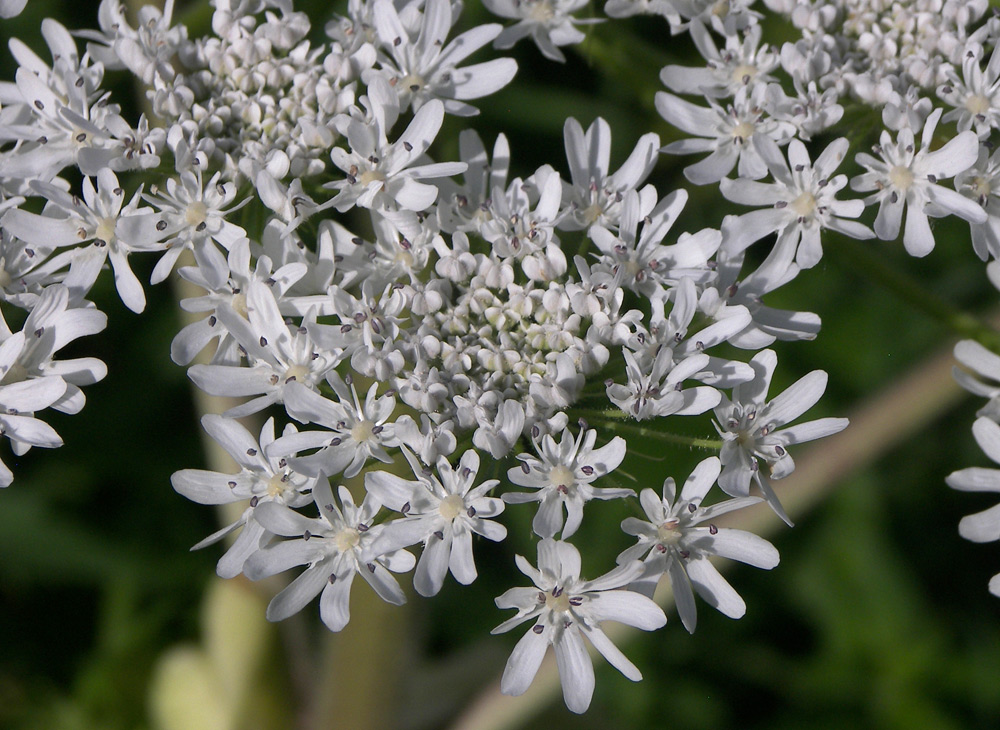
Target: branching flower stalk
384, 307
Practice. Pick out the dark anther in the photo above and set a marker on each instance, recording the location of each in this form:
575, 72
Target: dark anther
588, 470
332, 578
471, 512
161, 225
692, 508
371, 567
212, 320
439, 534
713, 530
254, 501
263, 341
232, 485
525, 468
405, 508
537, 628
251, 452
306, 535
406, 145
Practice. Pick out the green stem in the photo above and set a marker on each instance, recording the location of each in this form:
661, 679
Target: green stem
614, 420
862, 259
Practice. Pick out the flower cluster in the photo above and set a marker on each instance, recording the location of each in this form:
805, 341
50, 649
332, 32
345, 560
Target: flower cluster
403, 320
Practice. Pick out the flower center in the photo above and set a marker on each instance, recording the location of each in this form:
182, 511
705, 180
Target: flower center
196, 213
362, 431
557, 603
240, 304
804, 205
370, 176
743, 73
412, 83
296, 372
561, 476
977, 104
105, 230
347, 539
451, 506
541, 12
743, 131
276, 486
668, 532
901, 177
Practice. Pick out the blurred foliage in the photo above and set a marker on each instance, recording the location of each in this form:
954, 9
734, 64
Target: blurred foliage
878, 616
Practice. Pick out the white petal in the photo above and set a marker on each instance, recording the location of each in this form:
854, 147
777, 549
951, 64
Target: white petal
745, 547
298, 593
433, 565
627, 607
335, 602
576, 672
613, 654
981, 527
523, 664
461, 562
714, 589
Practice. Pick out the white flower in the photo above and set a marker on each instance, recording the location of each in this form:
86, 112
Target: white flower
277, 355
979, 370
563, 475
333, 546
550, 23
977, 98
380, 172
907, 177
425, 68
658, 390
356, 431
594, 196
726, 133
751, 429
981, 183
802, 197
102, 216
262, 479
983, 526
568, 610
442, 512
675, 541
743, 60
51, 325
18, 402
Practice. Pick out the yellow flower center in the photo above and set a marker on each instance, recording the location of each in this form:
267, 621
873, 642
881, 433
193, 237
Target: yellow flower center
451, 506
804, 205
901, 177
347, 539
668, 532
362, 431
557, 603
